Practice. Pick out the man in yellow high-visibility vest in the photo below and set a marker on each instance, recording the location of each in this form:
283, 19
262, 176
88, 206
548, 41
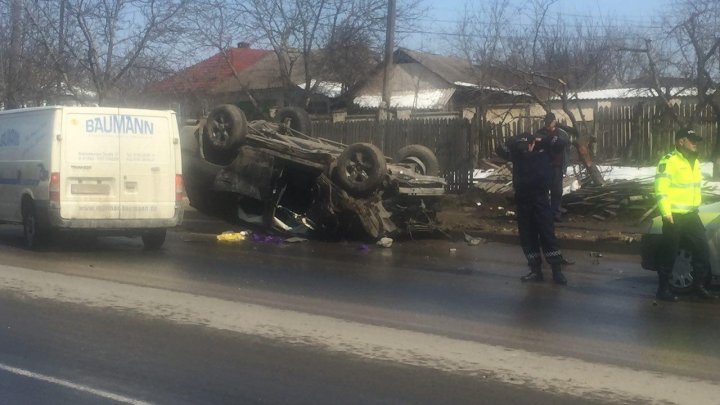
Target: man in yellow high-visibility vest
677, 189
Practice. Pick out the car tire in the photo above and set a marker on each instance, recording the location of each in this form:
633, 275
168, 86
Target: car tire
35, 235
681, 280
296, 118
224, 130
422, 157
361, 169
154, 239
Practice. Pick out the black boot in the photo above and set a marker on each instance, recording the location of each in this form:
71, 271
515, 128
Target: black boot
663, 291
558, 276
535, 275
703, 293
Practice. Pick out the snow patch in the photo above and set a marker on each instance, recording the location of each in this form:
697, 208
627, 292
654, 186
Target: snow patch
329, 89
490, 88
623, 93
622, 173
423, 99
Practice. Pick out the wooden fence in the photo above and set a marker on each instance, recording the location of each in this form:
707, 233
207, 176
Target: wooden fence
632, 135
642, 133
450, 139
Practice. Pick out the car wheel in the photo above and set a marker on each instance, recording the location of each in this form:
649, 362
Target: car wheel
225, 129
422, 157
361, 169
154, 239
295, 118
35, 236
681, 279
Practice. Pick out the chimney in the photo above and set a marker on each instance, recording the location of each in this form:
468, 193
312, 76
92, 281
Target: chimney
243, 45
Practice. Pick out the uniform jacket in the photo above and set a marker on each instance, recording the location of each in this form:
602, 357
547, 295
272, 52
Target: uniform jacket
532, 170
561, 157
677, 183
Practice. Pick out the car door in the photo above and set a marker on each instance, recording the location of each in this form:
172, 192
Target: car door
147, 164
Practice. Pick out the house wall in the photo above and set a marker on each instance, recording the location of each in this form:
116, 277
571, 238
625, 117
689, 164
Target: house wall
412, 86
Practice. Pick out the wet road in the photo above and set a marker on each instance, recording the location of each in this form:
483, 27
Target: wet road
198, 322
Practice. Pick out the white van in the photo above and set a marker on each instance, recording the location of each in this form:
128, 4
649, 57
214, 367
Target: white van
105, 170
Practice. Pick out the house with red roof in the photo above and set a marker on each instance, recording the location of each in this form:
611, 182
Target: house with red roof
234, 76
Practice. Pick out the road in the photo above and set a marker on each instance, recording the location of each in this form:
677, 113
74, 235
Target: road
102, 321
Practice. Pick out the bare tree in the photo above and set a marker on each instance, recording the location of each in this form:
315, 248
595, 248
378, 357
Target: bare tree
213, 26
24, 77
690, 49
297, 29
550, 58
106, 39
348, 57
13, 67
699, 42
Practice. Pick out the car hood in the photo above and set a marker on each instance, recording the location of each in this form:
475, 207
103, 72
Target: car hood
709, 215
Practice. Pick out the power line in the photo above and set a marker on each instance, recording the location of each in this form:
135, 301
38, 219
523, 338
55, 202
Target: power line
597, 25
484, 36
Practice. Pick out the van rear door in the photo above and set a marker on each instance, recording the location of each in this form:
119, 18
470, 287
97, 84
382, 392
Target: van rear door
148, 140
90, 164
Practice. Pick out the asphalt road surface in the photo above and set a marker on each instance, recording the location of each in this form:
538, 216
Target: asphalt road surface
426, 321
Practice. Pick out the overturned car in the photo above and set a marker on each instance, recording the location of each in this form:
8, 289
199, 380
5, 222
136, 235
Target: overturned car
276, 176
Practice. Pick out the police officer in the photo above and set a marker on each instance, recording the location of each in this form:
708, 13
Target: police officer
559, 160
532, 176
677, 189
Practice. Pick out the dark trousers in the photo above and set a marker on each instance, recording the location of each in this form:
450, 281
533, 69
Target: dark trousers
687, 232
536, 227
556, 190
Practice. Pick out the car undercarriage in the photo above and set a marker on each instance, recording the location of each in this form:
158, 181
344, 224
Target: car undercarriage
275, 176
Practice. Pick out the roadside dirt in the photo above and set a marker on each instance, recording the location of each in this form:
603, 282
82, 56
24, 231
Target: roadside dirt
478, 212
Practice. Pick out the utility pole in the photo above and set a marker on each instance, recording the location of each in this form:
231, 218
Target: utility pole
389, 47
61, 50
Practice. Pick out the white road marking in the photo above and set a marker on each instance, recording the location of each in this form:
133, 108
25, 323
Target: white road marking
71, 385
557, 374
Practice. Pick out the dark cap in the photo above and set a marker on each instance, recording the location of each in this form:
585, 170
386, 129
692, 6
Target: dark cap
687, 133
549, 117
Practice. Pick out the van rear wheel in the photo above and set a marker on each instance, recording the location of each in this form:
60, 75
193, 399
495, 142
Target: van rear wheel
154, 239
35, 236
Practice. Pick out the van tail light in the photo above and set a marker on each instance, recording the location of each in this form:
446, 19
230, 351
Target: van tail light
55, 187
179, 188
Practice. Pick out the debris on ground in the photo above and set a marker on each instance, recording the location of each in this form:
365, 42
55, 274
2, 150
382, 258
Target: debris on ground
631, 199
261, 238
295, 239
385, 242
474, 241
499, 181
232, 236
621, 200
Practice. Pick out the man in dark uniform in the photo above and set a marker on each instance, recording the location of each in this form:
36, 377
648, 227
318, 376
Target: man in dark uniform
559, 159
677, 189
532, 176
